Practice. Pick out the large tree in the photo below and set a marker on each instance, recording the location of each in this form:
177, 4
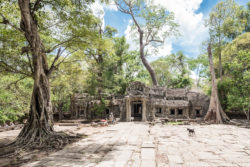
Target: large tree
153, 25
215, 112
226, 20
45, 28
97, 53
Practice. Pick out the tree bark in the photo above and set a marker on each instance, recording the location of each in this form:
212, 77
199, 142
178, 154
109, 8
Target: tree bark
39, 127
145, 62
215, 112
220, 63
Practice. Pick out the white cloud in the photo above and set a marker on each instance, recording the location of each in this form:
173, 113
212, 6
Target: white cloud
191, 28
99, 8
98, 11
110, 6
160, 51
191, 24
130, 37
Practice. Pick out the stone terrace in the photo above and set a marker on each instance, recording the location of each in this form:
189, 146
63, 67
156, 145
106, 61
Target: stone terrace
141, 145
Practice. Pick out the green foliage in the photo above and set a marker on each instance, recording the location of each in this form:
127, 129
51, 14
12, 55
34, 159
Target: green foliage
13, 97
200, 67
118, 68
63, 25
68, 79
226, 20
172, 71
234, 89
100, 109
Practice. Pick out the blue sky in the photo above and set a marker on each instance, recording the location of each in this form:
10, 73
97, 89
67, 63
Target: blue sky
189, 14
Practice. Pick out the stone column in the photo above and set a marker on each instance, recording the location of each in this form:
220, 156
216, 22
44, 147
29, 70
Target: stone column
128, 110
144, 109
153, 112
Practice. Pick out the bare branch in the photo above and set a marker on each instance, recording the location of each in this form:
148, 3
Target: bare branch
153, 40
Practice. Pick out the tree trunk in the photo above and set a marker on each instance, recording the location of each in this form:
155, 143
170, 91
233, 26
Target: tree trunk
247, 113
60, 111
145, 62
39, 127
220, 63
99, 62
215, 112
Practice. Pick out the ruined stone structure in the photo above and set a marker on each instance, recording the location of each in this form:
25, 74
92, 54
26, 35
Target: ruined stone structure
141, 103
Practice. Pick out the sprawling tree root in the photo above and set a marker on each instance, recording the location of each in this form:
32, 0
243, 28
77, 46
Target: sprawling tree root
48, 141
42, 138
29, 147
26, 149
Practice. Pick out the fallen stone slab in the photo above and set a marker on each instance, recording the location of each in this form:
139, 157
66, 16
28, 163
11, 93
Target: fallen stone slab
68, 124
73, 121
148, 145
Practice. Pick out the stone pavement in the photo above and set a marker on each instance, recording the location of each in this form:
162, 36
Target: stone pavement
141, 145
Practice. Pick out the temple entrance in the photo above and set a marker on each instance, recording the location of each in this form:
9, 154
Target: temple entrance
137, 110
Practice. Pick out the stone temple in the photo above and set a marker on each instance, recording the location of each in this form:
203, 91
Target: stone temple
142, 103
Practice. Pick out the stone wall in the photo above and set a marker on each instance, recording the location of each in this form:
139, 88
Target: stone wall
157, 101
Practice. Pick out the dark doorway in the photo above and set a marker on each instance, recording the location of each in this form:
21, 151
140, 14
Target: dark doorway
172, 112
180, 111
107, 111
137, 111
198, 113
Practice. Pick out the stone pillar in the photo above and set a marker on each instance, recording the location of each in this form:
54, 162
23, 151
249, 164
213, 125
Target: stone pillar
153, 112
144, 109
128, 110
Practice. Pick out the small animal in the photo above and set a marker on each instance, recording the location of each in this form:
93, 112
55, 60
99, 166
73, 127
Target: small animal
191, 132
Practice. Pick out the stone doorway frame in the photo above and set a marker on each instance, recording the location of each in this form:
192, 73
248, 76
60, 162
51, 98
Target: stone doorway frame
135, 107
129, 103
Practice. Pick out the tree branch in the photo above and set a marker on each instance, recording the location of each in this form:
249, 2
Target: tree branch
35, 8
15, 82
7, 22
121, 9
54, 47
56, 66
54, 61
153, 40
10, 69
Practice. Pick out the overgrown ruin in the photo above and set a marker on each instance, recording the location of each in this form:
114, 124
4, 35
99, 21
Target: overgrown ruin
141, 103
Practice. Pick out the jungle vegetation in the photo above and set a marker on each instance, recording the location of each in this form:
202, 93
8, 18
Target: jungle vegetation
50, 50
